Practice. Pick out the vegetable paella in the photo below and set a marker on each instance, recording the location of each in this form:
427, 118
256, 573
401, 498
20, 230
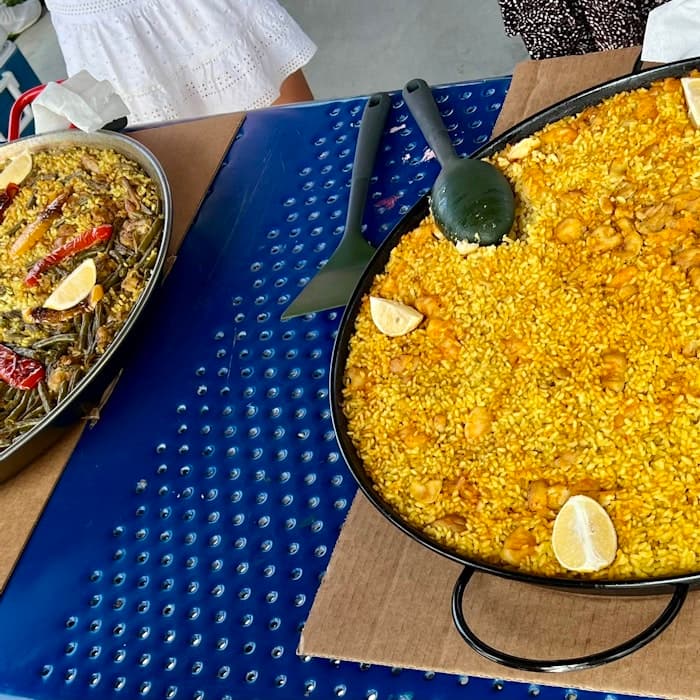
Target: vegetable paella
487, 387
80, 228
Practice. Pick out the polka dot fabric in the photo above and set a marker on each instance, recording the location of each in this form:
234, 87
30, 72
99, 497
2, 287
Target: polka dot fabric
552, 28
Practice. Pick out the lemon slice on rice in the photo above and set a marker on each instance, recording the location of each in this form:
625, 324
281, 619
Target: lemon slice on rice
691, 91
16, 170
71, 290
392, 317
584, 537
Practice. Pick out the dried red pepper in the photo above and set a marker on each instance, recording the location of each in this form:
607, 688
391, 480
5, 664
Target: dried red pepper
34, 230
6, 198
19, 371
82, 241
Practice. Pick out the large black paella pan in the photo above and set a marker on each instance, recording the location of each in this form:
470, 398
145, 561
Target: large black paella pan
610, 257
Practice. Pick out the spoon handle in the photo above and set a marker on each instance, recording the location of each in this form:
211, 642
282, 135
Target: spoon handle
371, 130
420, 101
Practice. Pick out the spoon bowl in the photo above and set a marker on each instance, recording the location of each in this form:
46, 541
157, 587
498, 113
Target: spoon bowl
471, 200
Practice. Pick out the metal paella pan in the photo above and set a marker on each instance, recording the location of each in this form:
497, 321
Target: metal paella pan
676, 583
85, 236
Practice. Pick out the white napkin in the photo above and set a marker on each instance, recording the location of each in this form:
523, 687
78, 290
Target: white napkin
672, 32
80, 100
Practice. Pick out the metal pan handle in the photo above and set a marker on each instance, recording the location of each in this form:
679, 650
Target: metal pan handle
558, 665
27, 97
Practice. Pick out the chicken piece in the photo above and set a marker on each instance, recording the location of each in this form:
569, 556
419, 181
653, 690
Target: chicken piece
687, 258
537, 496
569, 230
519, 545
523, 148
453, 522
133, 231
622, 277
402, 364
478, 423
463, 488
356, 377
614, 367
425, 491
132, 282
428, 305
516, 350
564, 133
604, 238
412, 437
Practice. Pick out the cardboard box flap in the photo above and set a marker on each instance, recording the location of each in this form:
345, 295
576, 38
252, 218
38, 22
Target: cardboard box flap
539, 84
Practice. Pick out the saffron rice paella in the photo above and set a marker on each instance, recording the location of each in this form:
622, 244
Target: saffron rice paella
81, 236
563, 362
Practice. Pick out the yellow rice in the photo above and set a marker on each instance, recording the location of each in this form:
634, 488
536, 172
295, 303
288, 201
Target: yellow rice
565, 360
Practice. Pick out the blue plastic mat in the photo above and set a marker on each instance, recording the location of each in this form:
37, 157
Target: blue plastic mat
181, 551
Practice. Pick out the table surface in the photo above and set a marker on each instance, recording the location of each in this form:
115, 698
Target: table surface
181, 550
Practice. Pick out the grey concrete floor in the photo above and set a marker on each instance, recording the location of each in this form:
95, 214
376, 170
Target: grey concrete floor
370, 45
39, 46
366, 45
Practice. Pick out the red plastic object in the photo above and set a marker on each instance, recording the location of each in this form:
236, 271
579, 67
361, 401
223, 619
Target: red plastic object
26, 98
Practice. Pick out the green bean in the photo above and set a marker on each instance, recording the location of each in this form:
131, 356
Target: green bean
96, 323
13, 229
149, 239
113, 278
36, 412
74, 379
26, 424
19, 408
113, 238
116, 256
84, 254
41, 390
34, 400
83, 334
54, 340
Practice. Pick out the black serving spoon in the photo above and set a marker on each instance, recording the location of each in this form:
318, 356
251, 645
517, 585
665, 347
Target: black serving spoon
334, 283
471, 200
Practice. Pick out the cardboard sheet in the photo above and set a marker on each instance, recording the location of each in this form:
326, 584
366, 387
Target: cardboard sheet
387, 600
539, 84
177, 146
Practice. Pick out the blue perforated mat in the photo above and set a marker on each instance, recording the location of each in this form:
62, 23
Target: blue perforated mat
180, 553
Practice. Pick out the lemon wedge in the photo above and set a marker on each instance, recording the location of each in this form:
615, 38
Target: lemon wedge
71, 290
16, 170
584, 537
392, 317
691, 91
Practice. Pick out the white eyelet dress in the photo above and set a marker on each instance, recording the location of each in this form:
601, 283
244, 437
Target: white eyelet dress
180, 59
